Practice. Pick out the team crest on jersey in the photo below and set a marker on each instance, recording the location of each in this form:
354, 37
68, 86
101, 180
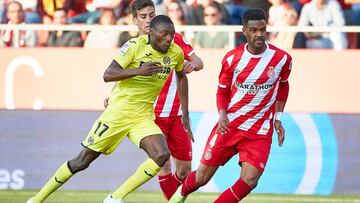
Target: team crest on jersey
90, 140
271, 72
166, 60
208, 155
124, 48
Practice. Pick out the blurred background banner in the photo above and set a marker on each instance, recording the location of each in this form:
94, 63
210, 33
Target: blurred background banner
319, 156
324, 81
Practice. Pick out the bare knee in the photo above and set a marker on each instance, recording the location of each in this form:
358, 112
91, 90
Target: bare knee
252, 181
160, 157
82, 161
183, 171
78, 164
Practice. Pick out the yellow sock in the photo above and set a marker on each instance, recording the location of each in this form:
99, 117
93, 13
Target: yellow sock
58, 179
144, 173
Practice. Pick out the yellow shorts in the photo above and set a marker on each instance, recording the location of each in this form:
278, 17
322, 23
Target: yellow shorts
105, 136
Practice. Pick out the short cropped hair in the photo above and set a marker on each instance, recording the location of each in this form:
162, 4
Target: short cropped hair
137, 5
253, 14
160, 19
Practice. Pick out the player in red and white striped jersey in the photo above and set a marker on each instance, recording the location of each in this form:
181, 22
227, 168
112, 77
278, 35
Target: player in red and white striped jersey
167, 106
252, 92
169, 118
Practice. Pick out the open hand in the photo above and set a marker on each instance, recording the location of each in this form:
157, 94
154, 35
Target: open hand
185, 120
280, 131
150, 68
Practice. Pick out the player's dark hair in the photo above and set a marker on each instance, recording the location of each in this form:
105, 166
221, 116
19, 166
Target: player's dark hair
137, 5
253, 14
160, 19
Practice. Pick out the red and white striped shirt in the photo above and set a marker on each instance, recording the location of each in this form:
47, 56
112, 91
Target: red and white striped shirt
168, 102
248, 86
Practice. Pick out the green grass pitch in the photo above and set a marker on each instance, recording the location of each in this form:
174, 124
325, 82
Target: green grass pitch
69, 196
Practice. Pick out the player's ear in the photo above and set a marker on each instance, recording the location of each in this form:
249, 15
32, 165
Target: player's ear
135, 21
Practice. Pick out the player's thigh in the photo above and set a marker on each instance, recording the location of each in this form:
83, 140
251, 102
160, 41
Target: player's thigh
105, 136
255, 150
220, 148
178, 140
145, 127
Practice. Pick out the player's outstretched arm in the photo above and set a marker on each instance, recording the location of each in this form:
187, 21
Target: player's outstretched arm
115, 72
194, 64
182, 84
281, 99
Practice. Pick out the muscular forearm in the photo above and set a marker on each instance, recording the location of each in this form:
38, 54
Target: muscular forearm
116, 73
182, 84
280, 106
282, 96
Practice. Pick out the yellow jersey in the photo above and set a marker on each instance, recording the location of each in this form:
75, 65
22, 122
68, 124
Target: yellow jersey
134, 97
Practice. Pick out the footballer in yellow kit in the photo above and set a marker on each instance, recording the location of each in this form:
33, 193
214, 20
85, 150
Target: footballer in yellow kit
130, 111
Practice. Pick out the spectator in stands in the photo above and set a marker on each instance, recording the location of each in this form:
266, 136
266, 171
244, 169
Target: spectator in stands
63, 38
212, 16
103, 38
29, 7
198, 12
74, 7
287, 40
323, 13
2, 11
127, 20
17, 38
276, 12
47, 8
93, 15
176, 13
263, 4
236, 9
162, 9
352, 17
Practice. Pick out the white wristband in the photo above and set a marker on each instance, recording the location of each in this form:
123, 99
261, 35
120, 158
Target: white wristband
278, 116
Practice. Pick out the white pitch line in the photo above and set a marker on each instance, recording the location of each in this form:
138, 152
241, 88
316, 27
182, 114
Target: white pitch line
304, 199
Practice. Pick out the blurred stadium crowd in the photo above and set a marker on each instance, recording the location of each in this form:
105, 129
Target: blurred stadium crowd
182, 12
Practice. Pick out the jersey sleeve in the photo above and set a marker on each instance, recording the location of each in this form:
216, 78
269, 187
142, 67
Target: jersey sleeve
180, 62
224, 88
184, 45
285, 72
127, 53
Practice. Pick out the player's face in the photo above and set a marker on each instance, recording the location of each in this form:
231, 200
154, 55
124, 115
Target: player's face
143, 18
255, 33
162, 36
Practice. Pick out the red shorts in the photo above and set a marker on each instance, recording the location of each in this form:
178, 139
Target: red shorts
177, 139
252, 148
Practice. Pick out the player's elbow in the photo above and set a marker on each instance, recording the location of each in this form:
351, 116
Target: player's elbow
106, 76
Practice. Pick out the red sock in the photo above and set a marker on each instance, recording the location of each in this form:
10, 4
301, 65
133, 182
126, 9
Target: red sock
177, 180
235, 193
189, 185
169, 184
